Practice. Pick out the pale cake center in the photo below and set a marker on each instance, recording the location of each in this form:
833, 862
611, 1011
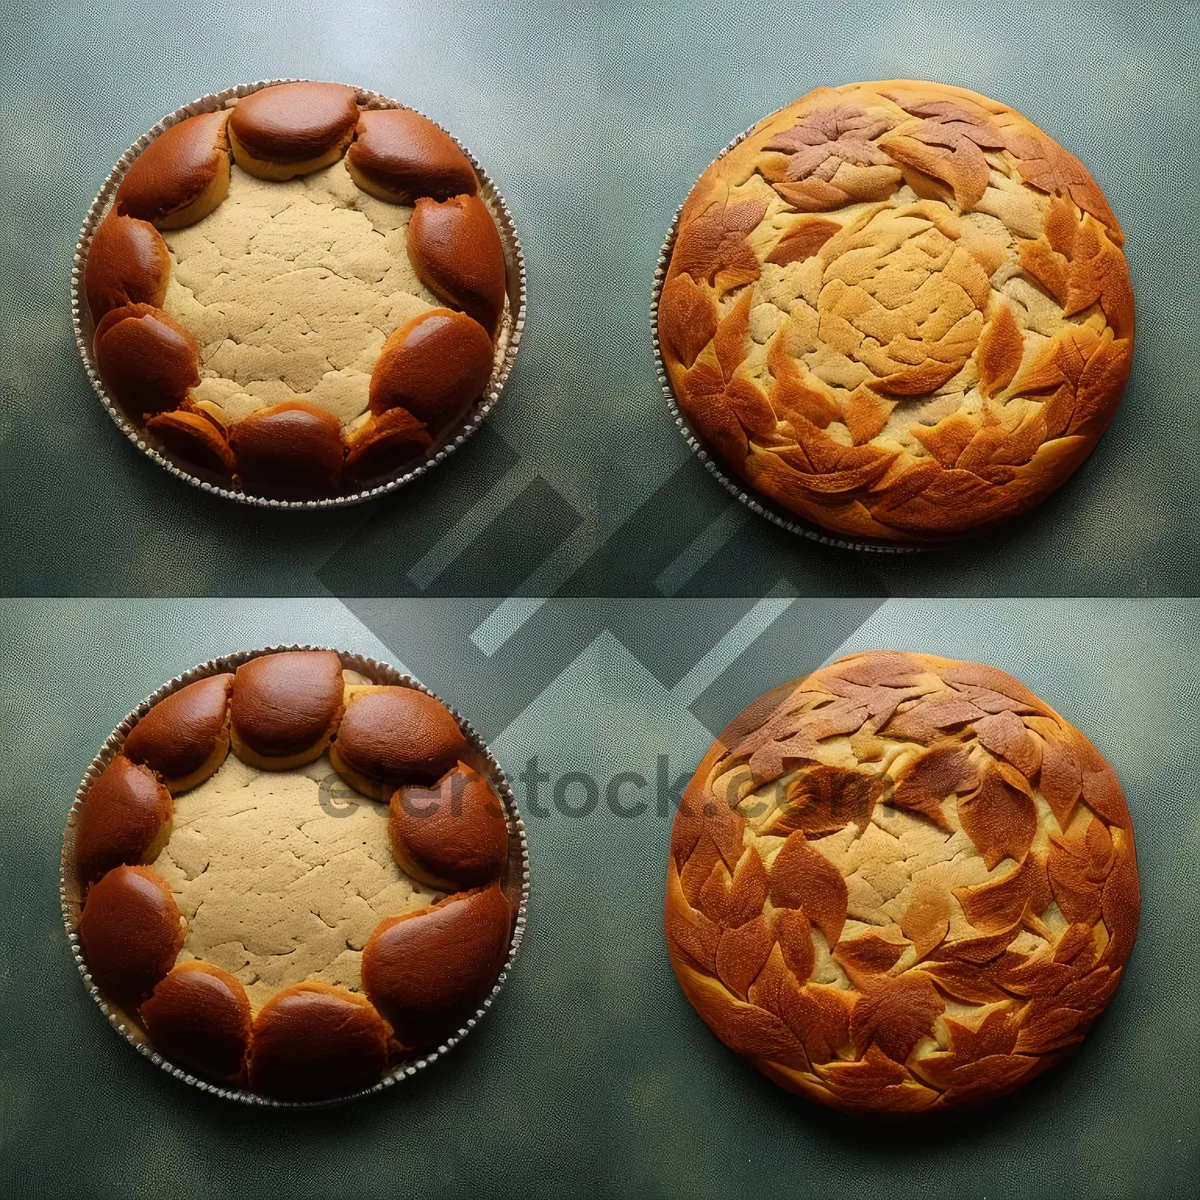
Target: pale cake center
291, 290
282, 876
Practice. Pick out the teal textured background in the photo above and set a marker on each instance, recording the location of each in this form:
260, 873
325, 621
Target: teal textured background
592, 1076
594, 119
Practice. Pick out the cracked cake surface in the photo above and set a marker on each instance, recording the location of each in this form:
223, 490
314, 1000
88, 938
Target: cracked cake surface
899, 310
291, 289
281, 878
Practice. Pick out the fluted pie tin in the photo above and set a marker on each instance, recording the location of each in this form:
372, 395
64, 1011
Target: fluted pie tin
507, 340
756, 502
515, 883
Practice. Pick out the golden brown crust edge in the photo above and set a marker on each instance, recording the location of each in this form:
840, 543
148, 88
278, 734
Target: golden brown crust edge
768, 421
743, 948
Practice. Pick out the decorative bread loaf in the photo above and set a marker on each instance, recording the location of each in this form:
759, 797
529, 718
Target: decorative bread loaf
313, 319
230, 924
901, 883
899, 310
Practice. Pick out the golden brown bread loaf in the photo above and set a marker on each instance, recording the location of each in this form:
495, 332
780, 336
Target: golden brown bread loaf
899, 310
148, 360
399, 156
390, 736
197, 437
428, 971
125, 818
312, 1041
181, 176
240, 950
456, 250
901, 883
292, 128
269, 317
433, 367
292, 449
185, 737
127, 263
199, 1017
131, 930
452, 835
286, 707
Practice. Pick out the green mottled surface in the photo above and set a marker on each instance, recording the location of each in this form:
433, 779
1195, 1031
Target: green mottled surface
594, 119
592, 1076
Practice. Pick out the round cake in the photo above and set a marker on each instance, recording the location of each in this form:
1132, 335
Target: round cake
898, 310
902, 883
312, 317
299, 916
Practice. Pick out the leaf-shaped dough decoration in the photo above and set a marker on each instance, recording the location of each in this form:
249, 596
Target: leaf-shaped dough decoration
801, 877
867, 959
999, 353
1005, 735
926, 920
743, 952
999, 819
825, 799
713, 247
794, 932
896, 1015
925, 783
687, 318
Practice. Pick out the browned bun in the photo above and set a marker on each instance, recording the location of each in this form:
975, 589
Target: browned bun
122, 818
292, 128
393, 735
429, 971
399, 155
181, 176
293, 449
455, 249
196, 437
146, 358
382, 443
127, 263
185, 737
312, 1041
199, 1017
130, 931
452, 835
286, 707
434, 365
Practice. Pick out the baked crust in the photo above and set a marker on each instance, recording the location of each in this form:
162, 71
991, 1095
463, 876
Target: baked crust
181, 176
292, 129
398, 155
293, 450
452, 835
184, 738
286, 708
899, 310
131, 931
127, 263
435, 366
199, 1017
124, 818
901, 883
455, 248
195, 436
428, 971
146, 358
390, 736
313, 1040
383, 443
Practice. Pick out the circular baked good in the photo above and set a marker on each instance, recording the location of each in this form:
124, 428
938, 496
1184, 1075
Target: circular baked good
902, 883
898, 310
301, 294
256, 922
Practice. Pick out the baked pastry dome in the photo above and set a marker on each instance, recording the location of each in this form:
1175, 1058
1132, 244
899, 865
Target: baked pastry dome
901, 883
298, 294
899, 310
229, 900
